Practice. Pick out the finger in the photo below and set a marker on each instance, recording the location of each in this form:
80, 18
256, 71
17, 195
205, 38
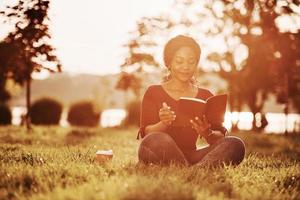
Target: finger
168, 122
199, 127
163, 110
168, 118
166, 113
198, 121
165, 106
194, 124
166, 110
204, 118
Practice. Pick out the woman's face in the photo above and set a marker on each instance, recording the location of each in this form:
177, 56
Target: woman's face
183, 64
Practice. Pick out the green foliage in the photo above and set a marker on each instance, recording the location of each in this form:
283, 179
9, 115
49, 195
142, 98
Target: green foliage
26, 49
129, 81
4, 93
241, 24
46, 111
133, 109
28, 42
48, 168
137, 59
5, 115
273, 66
83, 114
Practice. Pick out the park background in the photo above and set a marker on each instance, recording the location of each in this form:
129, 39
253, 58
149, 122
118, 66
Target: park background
81, 69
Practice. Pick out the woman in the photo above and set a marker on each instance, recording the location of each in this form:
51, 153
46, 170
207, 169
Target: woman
165, 143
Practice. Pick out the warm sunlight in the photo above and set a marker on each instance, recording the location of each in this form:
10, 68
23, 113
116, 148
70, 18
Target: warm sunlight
88, 35
150, 99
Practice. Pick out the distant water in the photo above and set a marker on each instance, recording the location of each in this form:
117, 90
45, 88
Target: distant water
277, 122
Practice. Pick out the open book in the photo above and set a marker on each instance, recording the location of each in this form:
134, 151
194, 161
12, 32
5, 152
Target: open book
213, 108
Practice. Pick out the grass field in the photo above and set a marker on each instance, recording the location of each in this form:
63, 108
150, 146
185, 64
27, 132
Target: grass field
58, 163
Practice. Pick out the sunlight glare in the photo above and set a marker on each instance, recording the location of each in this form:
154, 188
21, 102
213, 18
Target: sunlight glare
218, 8
112, 117
242, 119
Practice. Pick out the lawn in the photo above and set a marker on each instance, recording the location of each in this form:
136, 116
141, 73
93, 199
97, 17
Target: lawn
58, 163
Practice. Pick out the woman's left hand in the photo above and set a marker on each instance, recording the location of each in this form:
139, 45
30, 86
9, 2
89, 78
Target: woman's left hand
201, 126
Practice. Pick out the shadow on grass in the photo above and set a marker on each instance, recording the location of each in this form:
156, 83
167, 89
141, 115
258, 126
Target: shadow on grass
271, 144
12, 139
77, 136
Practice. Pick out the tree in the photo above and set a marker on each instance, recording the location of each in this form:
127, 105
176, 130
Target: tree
243, 24
189, 22
83, 113
46, 111
272, 54
6, 56
29, 44
5, 115
234, 80
137, 60
129, 81
253, 24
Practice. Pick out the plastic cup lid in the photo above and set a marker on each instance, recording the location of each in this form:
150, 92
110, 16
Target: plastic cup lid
105, 152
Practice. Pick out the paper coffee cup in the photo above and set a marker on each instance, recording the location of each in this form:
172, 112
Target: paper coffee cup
104, 155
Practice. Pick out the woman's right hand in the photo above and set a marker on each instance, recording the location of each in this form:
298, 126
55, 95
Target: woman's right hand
166, 115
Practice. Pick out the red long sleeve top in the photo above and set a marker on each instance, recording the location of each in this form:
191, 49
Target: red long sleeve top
155, 95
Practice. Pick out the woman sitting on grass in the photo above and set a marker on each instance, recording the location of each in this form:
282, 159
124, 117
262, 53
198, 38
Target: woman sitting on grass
163, 143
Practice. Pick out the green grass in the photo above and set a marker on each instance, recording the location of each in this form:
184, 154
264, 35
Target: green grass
58, 163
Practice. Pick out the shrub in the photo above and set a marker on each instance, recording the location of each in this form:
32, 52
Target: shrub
83, 114
133, 113
5, 115
46, 111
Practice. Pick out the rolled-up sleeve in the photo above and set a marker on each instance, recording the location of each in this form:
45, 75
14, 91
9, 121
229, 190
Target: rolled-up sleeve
149, 111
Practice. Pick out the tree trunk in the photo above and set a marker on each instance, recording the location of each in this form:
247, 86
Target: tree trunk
286, 113
232, 104
254, 125
28, 94
286, 109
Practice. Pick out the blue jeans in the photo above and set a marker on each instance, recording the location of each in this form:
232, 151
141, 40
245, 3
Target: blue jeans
160, 148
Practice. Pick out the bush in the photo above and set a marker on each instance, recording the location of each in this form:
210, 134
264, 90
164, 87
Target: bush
83, 114
133, 113
46, 111
5, 115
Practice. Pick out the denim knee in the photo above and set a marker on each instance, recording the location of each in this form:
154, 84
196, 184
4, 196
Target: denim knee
156, 139
160, 148
153, 146
238, 147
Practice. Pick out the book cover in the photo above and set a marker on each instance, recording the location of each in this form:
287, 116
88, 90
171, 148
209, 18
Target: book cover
213, 108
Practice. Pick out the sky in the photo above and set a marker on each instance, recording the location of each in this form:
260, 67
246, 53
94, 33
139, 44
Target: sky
88, 35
